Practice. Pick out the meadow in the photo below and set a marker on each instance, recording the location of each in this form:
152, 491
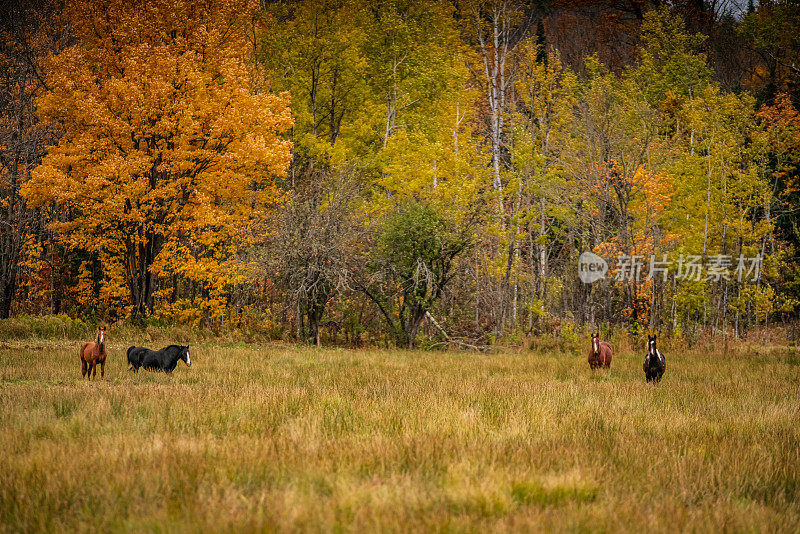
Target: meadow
267, 437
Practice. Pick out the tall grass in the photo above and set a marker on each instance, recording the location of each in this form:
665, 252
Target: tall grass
63, 327
45, 327
258, 437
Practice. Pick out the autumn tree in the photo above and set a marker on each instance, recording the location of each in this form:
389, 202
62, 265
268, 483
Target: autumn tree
29, 34
373, 87
782, 122
409, 53
495, 27
170, 141
771, 31
315, 52
544, 139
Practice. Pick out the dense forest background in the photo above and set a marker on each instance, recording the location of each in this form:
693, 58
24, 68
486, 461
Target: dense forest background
369, 172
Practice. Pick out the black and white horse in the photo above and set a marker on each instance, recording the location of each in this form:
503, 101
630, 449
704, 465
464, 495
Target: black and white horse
654, 363
158, 360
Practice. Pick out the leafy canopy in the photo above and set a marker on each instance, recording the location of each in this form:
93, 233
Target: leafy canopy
169, 140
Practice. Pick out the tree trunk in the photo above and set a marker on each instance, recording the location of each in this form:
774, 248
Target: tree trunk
9, 259
15, 227
301, 327
494, 64
313, 325
9, 286
412, 325
505, 287
140, 280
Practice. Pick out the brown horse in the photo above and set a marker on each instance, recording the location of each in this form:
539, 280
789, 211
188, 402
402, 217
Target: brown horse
600, 355
93, 353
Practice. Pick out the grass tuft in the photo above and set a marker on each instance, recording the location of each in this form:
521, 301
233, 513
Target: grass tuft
554, 491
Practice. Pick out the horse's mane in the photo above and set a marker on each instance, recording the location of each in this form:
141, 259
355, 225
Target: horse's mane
173, 351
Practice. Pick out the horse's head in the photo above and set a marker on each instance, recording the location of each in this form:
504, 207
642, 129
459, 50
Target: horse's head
101, 335
596, 343
185, 356
651, 346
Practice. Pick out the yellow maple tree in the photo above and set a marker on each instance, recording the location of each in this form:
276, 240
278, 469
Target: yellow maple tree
171, 142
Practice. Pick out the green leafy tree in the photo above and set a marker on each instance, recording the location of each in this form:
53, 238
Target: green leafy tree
412, 264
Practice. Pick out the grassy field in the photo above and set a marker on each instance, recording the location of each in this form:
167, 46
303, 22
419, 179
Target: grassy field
255, 438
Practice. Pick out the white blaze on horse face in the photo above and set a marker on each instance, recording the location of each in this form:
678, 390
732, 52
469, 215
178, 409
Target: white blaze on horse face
188, 360
596, 344
102, 336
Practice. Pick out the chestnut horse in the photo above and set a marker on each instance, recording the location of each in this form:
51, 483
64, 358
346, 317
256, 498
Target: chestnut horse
93, 353
600, 355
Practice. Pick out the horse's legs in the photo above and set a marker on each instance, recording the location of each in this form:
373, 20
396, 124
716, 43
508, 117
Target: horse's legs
102, 369
84, 368
93, 370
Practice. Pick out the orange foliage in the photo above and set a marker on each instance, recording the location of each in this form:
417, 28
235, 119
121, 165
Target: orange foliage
170, 142
783, 130
650, 195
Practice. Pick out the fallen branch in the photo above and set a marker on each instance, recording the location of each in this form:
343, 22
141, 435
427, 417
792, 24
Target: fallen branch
437, 325
451, 340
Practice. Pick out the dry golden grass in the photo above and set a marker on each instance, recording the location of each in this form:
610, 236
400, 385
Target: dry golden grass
255, 438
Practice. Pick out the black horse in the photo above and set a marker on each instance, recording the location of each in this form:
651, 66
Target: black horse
654, 363
158, 360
